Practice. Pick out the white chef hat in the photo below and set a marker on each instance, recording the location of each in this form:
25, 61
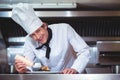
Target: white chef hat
24, 15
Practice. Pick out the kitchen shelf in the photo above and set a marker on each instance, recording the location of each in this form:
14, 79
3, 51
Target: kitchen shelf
68, 13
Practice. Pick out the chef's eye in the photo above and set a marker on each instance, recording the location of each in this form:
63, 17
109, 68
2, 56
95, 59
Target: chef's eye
32, 35
37, 31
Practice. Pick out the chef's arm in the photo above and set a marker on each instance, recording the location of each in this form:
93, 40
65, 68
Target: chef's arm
81, 49
29, 54
81, 60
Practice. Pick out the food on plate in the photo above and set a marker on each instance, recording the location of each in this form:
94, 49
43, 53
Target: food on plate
45, 68
25, 60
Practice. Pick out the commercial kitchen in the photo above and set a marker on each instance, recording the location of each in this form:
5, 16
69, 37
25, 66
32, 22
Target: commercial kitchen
97, 22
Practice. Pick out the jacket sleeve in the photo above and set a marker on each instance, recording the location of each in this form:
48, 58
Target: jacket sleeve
29, 54
81, 49
28, 51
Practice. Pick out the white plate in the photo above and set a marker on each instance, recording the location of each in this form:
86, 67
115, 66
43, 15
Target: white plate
43, 72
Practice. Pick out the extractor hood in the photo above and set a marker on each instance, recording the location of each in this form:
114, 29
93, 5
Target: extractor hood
81, 4
43, 5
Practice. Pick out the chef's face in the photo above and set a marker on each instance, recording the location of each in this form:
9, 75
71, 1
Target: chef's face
41, 34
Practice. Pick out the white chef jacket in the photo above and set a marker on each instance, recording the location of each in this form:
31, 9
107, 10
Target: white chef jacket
64, 39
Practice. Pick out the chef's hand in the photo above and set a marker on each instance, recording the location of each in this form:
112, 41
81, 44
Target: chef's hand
20, 66
69, 71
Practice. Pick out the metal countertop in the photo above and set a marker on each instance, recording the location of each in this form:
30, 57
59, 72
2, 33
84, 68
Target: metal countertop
59, 76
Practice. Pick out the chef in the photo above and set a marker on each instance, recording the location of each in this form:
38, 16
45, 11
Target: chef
56, 46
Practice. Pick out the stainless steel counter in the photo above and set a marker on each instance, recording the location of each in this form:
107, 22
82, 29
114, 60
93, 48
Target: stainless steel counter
59, 76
